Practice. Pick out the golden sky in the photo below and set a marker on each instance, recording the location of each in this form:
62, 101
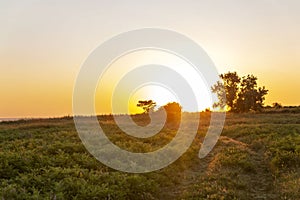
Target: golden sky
44, 43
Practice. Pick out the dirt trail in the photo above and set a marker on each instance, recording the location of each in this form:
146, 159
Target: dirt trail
262, 181
259, 183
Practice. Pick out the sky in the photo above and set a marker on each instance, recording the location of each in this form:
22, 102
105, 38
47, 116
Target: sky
43, 44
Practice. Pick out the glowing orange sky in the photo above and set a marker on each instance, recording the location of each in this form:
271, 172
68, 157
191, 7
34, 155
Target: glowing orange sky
44, 43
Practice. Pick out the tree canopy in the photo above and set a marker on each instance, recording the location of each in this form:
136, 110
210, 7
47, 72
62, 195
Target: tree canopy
173, 111
147, 105
173, 108
238, 94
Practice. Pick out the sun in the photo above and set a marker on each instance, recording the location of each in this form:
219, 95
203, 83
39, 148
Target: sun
115, 96
158, 93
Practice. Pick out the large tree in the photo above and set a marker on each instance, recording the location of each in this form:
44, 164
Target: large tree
242, 94
250, 97
227, 90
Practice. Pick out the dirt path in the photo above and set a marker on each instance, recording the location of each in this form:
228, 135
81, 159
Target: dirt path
260, 183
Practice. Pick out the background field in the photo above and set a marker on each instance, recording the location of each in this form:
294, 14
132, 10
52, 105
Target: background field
257, 157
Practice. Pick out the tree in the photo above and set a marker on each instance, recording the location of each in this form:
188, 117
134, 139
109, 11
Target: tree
242, 94
227, 90
173, 108
147, 105
277, 105
249, 97
173, 111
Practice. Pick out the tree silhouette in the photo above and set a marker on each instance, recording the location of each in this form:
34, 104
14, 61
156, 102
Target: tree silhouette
147, 105
277, 105
227, 90
242, 94
172, 108
249, 97
173, 111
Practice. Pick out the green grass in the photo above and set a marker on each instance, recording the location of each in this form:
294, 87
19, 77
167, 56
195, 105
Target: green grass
257, 157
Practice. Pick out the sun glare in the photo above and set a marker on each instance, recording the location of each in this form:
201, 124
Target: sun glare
115, 96
159, 94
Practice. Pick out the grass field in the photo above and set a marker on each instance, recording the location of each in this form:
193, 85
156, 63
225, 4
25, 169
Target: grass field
257, 157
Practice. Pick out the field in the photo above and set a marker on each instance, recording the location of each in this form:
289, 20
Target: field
257, 157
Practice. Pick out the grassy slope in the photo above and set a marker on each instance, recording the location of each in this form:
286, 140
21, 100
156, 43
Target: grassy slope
257, 157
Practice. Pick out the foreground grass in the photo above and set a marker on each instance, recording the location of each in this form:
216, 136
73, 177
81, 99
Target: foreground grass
257, 157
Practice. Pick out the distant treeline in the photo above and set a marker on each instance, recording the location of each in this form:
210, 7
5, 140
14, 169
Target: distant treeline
278, 108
